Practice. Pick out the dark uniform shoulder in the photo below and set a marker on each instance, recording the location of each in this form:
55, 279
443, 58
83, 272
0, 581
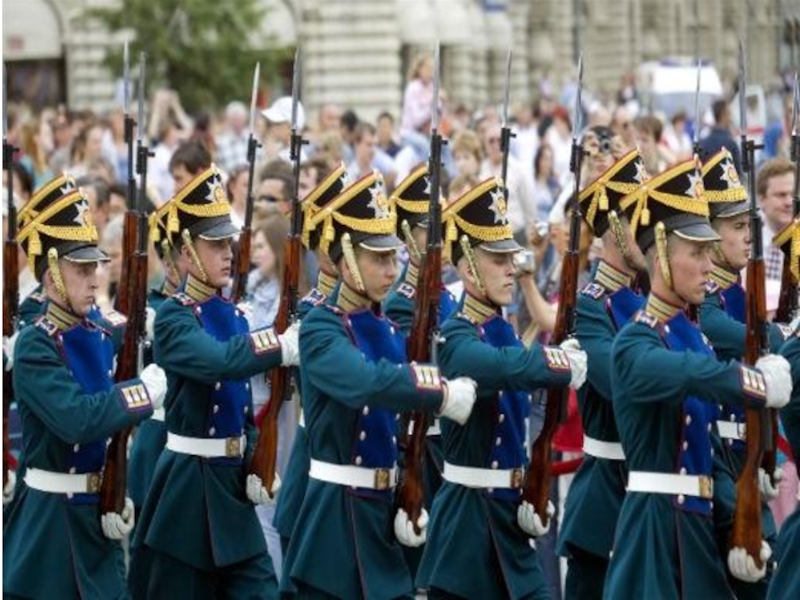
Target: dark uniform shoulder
594, 290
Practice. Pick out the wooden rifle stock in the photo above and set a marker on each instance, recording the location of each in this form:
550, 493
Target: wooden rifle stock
242, 269
10, 307
787, 302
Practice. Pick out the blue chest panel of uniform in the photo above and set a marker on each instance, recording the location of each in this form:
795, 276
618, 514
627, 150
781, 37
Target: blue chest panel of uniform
508, 448
375, 445
734, 303
89, 354
622, 305
447, 305
696, 455
231, 398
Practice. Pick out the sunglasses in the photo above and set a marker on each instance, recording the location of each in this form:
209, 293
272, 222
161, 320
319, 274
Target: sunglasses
267, 198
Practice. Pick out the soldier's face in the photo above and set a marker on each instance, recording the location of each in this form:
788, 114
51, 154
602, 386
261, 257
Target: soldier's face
735, 243
691, 267
81, 283
378, 272
497, 271
216, 257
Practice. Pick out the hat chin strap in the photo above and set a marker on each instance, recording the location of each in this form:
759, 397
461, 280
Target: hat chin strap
411, 243
187, 240
620, 239
719, 257
352, 264
662, 247
473, 267
58, 280
169, 262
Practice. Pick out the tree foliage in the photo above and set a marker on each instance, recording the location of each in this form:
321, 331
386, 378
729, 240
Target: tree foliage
203, 49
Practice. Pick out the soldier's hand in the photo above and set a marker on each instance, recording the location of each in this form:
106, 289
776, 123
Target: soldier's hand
9, 343
155, 380
577, 362
149, 323
459, 397
778, 377
257, 493
743, 566
290, 345
10, 487
769, 486
116, 527
404, 528
530, 522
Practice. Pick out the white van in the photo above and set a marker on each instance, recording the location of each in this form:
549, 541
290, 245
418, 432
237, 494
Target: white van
668, 86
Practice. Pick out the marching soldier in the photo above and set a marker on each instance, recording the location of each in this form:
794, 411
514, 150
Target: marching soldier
355, 381
666, 384
295, 482
603, 307
722, 319
69, 407
199, 536
479, 542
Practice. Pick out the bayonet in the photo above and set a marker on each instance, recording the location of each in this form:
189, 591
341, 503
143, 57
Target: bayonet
295, 89
435, 103
506, 89
125, 79
142, 68
254, 97
577, 117
696, 136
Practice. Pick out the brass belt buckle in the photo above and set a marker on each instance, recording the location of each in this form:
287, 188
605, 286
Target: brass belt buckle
233, 447
93, 481
706, 487
517, 475
382, 479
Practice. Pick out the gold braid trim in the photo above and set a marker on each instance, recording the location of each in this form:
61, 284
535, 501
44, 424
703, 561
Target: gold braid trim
610, 278
55, 272
410, 179
386, 226
63, 318
187, 240
791, 233
326, 283
352, 263
484, 234
476, 310
412, 275
413, 206
723, 277
662, 247
28, 211
731, 195
473, 267
310, 200
660, 309
619, 235
411, 243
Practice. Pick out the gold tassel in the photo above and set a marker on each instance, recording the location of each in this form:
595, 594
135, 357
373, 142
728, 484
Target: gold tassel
187, 240
410, 241
352, 263
663, 253
169, 262
603, 198
173, 222
35, 243
619, 235
155, 230
55, 272
473, 267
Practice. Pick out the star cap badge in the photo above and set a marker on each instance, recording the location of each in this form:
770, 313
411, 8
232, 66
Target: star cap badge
498, 205
216, 193
729, 174
379, 202
84, 215
695, 189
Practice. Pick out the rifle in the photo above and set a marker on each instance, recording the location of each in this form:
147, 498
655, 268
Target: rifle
10, 277
425, 323
536, 487
266, 451
131, 301
243, 252
747, 531
787, 303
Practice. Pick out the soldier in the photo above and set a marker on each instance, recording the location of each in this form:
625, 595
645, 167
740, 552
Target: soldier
722, 319
295, 482
199, 536
355, 379
69, 407
479, 542
666, 384
603, 307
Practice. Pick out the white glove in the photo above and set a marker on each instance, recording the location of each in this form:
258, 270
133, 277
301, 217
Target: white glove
743, 567
459, 396
778, 377
149, 323
11, 484
530, 522
116, 527
404, 529
257, 493
247, 311
577, 362
769, 486
9, 343
155, 380
290, 345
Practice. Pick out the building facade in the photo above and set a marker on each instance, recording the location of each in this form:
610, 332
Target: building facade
357, 51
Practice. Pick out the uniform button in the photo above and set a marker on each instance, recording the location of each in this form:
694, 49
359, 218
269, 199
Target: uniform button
365, 412
76, 447
666, 328
688, 419
102, 337
730, 442
681, 499
212, 431
712, 452
110, 373
732, 418
683, 470
685, 445
490, 490
362, 436
501, 418
709, 428
495, 464
359, 460
247, 385
72, 470
394, 439
246, 409
70, 495
216, 408
217, 386
498, 441
199, 310
391, 330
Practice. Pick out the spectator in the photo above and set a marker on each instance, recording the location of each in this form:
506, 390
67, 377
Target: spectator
622, 125
385, 133
676, 139
117, 200
189, 159
35, 149
311, 173
86, 149
367, 157
720, 135
276, 186
232, 142
648, 135
237, 193
279, 129
559, 138
63, 137
467, 153
97, 192
417, 105
545, 183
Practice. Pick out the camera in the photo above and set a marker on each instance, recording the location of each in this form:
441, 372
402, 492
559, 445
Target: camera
524, 262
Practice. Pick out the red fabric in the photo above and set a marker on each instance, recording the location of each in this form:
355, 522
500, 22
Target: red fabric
569, 435
565, 467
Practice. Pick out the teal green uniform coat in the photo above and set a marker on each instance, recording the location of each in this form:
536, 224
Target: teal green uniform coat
598, 489
196, 510
475, 547
666, 385
354, 380
786, 578
69, 407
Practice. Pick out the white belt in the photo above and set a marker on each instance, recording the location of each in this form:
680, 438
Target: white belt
63, 483
158, 414
353, 476
475, 477
601, 449
232, 447
433, 429
731, 430
700, 486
